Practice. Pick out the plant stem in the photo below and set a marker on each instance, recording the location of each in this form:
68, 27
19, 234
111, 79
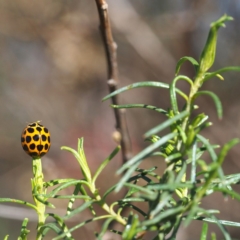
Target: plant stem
194, 89
37, 188
106, 207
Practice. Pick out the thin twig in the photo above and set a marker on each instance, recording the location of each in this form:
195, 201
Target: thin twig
111, 55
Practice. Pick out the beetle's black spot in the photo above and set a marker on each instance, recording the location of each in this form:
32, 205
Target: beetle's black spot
34, 154
32, 146
24, 132
30, 130
42, 153
45, 130
39, 129
28, 139
44, 138
40, 125
32, 125
49, 139
40, 147
25, 147
46, 146
36, 137
22, 139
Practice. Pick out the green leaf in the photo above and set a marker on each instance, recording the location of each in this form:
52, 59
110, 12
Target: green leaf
170, 186
66, 185
105, 227
79, 209
215, 99
60, 236
223, 222
194, 165
105, 162
208, 54
137, 85
47, 226
140, 189
182, 60
24, 231
173, 91
80, 156
231, 193
165, 198
204, 232
221, 226
12, 200
172, 212
133, 163
225, 69
144, 84
166, 124
61, 223
131, 228
140, 106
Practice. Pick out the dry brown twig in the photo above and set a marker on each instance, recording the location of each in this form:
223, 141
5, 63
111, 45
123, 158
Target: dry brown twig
111, 56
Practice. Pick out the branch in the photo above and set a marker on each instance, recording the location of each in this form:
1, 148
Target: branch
111, 56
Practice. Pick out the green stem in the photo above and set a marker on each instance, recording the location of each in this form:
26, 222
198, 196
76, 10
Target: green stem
194, 89
105, 206
37, 188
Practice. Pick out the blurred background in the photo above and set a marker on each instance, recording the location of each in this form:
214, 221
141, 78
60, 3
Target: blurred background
53, 69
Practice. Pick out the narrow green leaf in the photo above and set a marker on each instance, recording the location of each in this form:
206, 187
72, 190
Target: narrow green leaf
140, 106
80, 156
142, 189
132, 199
65, 185
173, 212
12, 200
146, 151
105, 227
137, 85
131, 228
60, 236
194, 165
72, 196
212, 153
225, 69
215, 99
61, 223
41, 198
204, 232
173, 91
24, 231
220, 225
133, 163
166, 124
71, 201
165, 198
54, 182
231, 193
223, 222
144, 84
105, 162
182, 60
169, 186
50, 226
208, 54
79, 209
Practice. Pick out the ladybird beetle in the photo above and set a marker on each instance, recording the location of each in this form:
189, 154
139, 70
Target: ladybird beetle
35, 140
